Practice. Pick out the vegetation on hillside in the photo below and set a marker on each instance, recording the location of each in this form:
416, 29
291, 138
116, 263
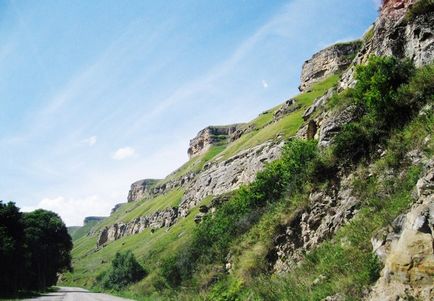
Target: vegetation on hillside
124, 270
389, 93
187, 262
34, 248
419, 8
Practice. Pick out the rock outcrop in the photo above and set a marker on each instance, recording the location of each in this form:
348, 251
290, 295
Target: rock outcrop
221, 177
141, 190
212, 135
394, 35
159, 219
406, 249
288, 107
326, 62
326, 213
216, 179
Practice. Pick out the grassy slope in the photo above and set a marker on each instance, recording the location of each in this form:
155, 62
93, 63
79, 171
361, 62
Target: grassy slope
150, 247
81, 231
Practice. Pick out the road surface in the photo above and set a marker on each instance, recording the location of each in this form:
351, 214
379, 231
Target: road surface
76, 294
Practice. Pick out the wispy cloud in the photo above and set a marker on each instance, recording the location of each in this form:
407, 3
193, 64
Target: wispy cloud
264, 84
123, 153
91, 141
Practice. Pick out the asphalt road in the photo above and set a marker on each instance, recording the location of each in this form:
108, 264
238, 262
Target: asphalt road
76, 294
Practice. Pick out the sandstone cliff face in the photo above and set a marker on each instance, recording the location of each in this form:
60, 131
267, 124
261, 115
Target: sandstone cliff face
216, 179
159, 219
394, 35
141, 190
406, 249
326, 62
212, 135
226, 176
326, 213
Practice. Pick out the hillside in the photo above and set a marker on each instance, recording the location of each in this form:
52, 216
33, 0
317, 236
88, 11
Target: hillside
327, 196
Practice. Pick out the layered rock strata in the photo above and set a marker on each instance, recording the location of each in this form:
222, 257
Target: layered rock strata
326, 62
212, 135
215, 179
393, 34
406, 249
326, 213
221, 177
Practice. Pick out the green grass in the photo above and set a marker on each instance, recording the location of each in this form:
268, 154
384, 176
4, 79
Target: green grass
286, 127
82, 231
130, 211
148, 247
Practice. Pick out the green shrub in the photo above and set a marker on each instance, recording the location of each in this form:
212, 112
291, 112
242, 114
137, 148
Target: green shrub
125, 270
389, 93
377, 85
214, 235
419, 8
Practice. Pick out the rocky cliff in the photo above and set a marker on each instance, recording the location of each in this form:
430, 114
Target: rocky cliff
404, 249
394, 34
212, 135
328, 61
217, 178
141, 189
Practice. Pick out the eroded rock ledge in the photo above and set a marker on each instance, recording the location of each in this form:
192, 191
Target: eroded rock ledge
326, 62
216, 179
213, 135
406, 249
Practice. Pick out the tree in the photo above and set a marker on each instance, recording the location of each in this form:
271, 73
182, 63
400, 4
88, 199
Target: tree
48, 247
11, 247
124, 270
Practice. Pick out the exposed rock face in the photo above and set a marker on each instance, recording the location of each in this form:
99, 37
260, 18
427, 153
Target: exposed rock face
216, 179
406, 249
141, 190
288, 107
332, 124
326, 213
160, 219
394, 35
319, 102
326, 62
89, 219
116, 208
144, 190
209, 136
223, 177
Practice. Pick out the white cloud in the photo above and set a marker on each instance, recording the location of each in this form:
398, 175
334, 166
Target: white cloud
264, 84
91, 141
123, 153
73, 210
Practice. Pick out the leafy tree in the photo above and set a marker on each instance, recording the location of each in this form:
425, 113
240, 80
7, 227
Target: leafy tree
377, 88
125, 270
11, 247
48, 247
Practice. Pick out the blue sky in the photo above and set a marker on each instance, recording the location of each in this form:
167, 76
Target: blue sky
95, 95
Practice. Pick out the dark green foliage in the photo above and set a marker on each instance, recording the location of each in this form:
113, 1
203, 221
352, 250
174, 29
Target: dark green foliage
48, 248
377, 86
214, 235
34, 247
389, 92
419, 8
125, 270
11, 247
